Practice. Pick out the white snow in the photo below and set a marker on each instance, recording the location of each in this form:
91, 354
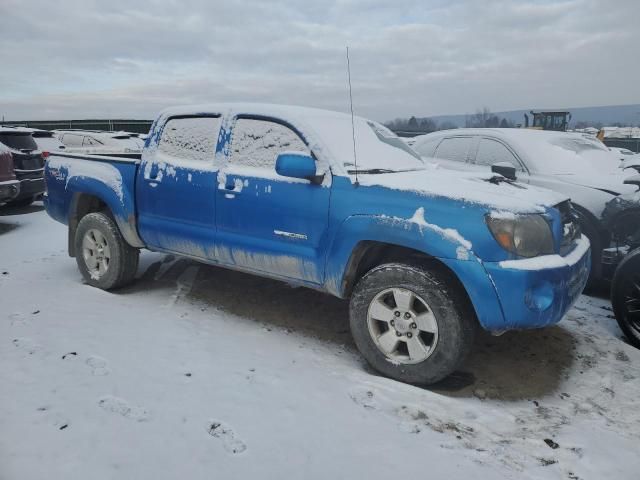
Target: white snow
550, 261
198, 372
448, 233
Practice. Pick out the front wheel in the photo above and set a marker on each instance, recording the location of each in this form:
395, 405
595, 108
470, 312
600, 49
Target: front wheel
625, 297
410, 323
104, 258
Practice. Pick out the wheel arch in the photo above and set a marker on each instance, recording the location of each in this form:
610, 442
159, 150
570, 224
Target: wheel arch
83, 203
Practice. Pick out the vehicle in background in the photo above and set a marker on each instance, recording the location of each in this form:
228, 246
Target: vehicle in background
94, 142
424, 255
625, 296
46, 140
572, 164
621, 261
141, 136
622, 151
28, 163
9, 185
555, 121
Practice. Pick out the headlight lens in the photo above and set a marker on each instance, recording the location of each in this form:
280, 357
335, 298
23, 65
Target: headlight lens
525, 235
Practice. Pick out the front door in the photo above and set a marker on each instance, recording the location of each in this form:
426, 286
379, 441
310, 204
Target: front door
269, 223
175, 191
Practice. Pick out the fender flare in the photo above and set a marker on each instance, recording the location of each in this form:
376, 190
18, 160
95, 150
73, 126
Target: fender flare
121, 206
394, 231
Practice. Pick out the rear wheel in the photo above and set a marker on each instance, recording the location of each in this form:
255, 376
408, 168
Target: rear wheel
103, 256
410, 323
625, 297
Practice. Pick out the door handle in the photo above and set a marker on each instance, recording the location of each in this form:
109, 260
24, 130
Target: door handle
232, 188
153, 174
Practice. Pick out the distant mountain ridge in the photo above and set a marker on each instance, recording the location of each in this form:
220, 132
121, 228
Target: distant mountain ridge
608, 115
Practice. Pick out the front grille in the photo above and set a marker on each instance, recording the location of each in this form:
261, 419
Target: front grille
570, 227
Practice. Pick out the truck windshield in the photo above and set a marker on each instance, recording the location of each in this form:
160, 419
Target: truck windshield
380, 150
18, 140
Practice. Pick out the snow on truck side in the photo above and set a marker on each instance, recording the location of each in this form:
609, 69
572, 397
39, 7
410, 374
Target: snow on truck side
424, 255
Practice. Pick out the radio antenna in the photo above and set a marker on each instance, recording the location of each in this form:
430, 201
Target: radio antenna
353, 128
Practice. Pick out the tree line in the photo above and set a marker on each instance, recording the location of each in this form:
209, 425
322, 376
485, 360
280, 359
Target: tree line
483, 118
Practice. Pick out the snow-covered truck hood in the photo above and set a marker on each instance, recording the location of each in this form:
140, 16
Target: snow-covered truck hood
469, 187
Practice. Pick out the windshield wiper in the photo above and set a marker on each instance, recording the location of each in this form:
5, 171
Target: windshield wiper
375, 171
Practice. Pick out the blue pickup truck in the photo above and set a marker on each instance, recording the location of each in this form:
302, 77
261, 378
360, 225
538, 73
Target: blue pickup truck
424, 255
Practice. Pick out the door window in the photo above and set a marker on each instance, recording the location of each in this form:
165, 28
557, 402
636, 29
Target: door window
191, 138
491, 152
72, 140
426, 149
257, 143
91, 142
456, 149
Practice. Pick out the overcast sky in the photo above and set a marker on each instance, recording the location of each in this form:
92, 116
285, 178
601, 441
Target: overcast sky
109, 59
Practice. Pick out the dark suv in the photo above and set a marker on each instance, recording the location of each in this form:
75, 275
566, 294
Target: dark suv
28, 163
9, 186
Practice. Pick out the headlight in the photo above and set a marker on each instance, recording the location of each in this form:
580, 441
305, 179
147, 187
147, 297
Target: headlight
525, 235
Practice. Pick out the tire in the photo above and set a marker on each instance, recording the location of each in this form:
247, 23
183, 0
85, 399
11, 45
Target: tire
122, 264
23, 202
446, 305
625, 296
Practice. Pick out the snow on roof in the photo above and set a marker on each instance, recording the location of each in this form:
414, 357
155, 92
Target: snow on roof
551, 152
10, 129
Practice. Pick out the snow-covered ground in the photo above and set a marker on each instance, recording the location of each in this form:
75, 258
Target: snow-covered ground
198, 372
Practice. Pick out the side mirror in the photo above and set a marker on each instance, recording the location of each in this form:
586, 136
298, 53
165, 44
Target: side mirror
635, 180
296, 165
505, 169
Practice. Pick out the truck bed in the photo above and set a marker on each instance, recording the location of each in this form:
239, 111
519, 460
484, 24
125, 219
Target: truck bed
70, 176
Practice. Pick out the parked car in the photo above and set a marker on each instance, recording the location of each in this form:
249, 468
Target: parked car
622, 152
621, 261
572, 164
28, 163
625, 296
424, 255
9, 185
94, 142
46, 140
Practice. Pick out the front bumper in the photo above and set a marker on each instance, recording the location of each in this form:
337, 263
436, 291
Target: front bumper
539, 291
9, 190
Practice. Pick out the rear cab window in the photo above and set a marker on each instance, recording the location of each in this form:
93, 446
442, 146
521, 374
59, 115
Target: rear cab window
190, 140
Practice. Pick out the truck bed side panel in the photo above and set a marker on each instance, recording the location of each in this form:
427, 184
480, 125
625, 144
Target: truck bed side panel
111, 180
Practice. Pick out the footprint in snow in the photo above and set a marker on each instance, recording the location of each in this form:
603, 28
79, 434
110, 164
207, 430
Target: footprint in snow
227, 436
120, 406
99, 365
364, 397
27, 345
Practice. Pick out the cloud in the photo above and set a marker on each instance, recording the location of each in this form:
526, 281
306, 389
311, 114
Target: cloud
73, 59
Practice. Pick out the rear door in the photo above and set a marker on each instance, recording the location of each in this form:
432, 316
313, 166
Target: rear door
176, 187
269, 223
